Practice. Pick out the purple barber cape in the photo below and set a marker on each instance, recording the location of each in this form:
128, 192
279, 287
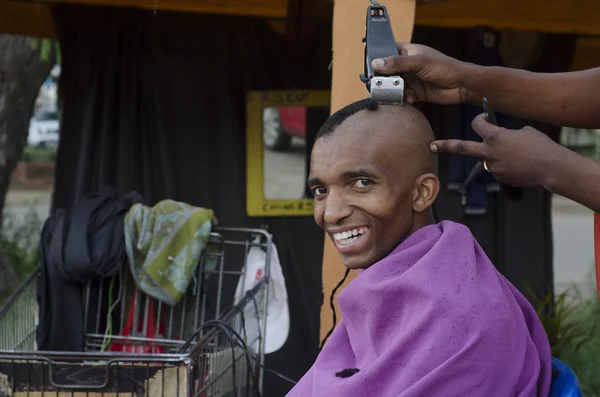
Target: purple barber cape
433, 318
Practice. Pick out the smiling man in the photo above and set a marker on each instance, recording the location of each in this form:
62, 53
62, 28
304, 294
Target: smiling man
428, 315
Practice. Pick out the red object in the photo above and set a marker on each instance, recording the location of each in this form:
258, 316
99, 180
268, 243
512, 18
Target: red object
200, 383
150, 332
293, 120
597, 249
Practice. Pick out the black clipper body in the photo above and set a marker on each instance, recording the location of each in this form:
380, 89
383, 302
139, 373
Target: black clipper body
379, 42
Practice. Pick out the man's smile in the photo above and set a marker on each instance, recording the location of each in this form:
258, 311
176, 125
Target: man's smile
350, 240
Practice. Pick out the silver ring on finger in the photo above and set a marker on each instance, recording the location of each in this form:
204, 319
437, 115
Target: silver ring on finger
485, 166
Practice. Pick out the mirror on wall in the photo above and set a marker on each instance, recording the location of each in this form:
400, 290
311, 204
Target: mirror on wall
281, 126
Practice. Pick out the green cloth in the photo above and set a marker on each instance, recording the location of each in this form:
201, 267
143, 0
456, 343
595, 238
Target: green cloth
164, 244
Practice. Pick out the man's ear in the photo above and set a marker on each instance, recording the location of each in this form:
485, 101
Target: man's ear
427, 188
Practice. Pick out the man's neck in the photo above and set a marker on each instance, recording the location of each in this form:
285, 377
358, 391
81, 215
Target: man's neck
422, 220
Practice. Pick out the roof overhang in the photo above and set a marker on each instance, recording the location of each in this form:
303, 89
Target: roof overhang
33, 17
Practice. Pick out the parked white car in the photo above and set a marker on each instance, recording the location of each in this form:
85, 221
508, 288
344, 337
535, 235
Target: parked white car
44, 129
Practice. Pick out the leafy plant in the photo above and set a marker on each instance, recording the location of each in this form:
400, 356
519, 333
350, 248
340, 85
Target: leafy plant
38, 155
557, 317
19, 239
572, 322
585, 360
46, 48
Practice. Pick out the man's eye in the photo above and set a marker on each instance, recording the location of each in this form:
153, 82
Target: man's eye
319, 191
362, 183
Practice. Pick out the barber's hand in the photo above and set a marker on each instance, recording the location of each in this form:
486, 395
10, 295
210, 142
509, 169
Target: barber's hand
428, 74
516, 157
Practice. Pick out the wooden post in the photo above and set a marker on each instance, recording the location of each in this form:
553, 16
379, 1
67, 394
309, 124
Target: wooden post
349, 18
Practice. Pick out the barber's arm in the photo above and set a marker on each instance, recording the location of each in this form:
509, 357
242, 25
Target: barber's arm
565, 99
524, 157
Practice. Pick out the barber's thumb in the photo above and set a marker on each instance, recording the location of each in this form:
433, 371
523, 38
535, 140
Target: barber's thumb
482, 127
378, 64
388, 64
399, 64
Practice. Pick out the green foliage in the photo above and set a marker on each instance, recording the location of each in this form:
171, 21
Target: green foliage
37, 154
556, 317
585, 359
572, 322
19, 239
46, 46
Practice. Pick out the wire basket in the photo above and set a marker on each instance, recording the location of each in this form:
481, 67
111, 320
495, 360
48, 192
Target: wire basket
199, 349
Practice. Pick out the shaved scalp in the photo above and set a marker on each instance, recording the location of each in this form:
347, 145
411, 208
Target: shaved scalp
400, 131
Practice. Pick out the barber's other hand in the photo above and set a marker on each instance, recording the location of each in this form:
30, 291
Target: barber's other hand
516, 157
429, 75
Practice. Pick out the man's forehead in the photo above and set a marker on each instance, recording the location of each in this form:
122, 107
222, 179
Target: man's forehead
341, 140
386, 140
339, 158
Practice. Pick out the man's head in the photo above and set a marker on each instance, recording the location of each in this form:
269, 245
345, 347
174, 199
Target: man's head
373, 178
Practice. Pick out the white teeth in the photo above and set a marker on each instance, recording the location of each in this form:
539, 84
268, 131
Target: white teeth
349, 236
348, 241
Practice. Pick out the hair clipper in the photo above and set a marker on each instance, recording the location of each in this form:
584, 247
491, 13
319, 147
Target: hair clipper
379, 42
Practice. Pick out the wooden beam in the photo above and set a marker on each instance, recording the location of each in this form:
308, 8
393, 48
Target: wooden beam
348, 54
26, 19
32, 18
259, 8
559, 16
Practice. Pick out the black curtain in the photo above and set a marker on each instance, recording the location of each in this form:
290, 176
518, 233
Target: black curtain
156, 103
516, 235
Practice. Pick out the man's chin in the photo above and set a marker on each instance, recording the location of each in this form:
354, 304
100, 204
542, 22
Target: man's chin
364, 261
356, 263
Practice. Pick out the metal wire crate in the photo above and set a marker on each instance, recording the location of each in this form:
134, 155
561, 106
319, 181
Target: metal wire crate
19, 318
196, 355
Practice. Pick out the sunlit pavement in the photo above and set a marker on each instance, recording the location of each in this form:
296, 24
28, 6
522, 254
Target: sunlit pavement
572, 227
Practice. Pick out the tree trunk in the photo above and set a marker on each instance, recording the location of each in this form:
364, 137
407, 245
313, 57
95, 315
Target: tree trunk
22, 72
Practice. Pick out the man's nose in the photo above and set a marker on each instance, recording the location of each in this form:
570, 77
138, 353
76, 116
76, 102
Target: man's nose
336, 208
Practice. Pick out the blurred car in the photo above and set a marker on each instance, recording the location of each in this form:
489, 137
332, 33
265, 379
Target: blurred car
44, 129
281, 124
